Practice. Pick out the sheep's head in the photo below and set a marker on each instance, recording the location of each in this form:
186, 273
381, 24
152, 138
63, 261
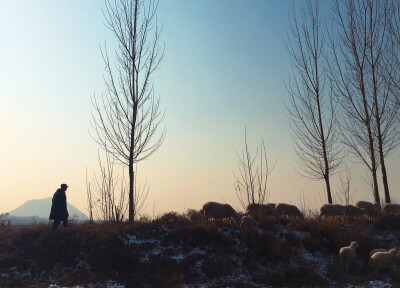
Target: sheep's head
354, 244
393, 251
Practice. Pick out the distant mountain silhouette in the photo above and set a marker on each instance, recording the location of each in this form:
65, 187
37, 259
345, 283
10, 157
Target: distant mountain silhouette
40, 208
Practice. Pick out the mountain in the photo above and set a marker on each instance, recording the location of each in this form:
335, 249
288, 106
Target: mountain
40, 208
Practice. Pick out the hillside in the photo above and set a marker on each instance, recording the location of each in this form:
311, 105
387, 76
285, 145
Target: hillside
40, 208
177, 251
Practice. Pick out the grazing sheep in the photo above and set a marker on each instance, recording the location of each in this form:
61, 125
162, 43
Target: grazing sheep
260, 211
381, 260
392, 209
332, 210
376, 250
284, 209
248, 224
355, 211
372, 210
219, 211
377, 205
348, 254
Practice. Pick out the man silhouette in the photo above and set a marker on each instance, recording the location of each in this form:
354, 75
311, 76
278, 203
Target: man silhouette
59, 210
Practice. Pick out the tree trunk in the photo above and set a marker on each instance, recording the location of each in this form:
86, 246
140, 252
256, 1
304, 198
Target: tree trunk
131, 181
373, 164
378, 129
367, 122
385, 181
380, 147
328, 189
322, 135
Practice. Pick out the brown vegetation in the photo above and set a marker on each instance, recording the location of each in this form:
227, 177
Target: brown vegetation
177, 249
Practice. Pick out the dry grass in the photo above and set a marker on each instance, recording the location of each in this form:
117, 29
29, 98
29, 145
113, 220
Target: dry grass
105, 248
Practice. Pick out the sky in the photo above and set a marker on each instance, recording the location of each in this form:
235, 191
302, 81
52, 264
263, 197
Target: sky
224, 69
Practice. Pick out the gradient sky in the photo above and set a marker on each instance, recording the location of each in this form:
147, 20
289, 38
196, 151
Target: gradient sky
225, 67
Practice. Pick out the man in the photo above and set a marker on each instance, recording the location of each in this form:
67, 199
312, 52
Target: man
59, 210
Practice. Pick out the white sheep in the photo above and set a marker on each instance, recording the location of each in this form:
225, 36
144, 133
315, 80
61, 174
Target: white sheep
381, 260
248, 224
284, 209
219, 211
261, 210
348, 254
392, 209
334, 210
371, 208
376, 250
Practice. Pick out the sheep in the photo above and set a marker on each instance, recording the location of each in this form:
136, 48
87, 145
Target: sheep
219, 211
392, 209
371, 208
377, 205
260, 211
284, 209
348, 254
332, 210
376, 250
248, 224
381, 260
355, 211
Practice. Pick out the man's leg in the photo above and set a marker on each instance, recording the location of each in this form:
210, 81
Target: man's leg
55, 224
65, 223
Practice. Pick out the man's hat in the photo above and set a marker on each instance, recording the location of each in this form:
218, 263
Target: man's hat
64, 186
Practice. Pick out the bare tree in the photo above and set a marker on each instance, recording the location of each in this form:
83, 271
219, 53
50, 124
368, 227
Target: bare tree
128, 116
251, 183
345, 194
311, 109
393, 66
361, 84
395, 48
106, 194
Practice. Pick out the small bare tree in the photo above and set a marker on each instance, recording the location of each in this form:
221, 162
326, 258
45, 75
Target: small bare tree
251, 183
106, 194
311, 110
345, 193
128, 116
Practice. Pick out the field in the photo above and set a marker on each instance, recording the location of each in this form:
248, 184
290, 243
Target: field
179, 250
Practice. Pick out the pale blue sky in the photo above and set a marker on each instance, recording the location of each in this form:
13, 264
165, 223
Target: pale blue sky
224, 68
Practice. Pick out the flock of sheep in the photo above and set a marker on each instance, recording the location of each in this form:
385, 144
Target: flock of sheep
378, 258
214, 210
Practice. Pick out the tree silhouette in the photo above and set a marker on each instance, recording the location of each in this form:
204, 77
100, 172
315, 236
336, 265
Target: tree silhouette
311, 110
128, 116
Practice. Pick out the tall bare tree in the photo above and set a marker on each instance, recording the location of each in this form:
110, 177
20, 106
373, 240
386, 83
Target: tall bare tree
394, 65
311, 109
361, 83
128, 116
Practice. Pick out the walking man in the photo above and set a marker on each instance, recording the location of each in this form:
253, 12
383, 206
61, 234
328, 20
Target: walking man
59, 210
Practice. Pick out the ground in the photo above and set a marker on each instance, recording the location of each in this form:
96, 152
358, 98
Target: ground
181, 251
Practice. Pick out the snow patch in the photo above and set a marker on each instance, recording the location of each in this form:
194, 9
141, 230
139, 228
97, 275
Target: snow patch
379, 284
178, 257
